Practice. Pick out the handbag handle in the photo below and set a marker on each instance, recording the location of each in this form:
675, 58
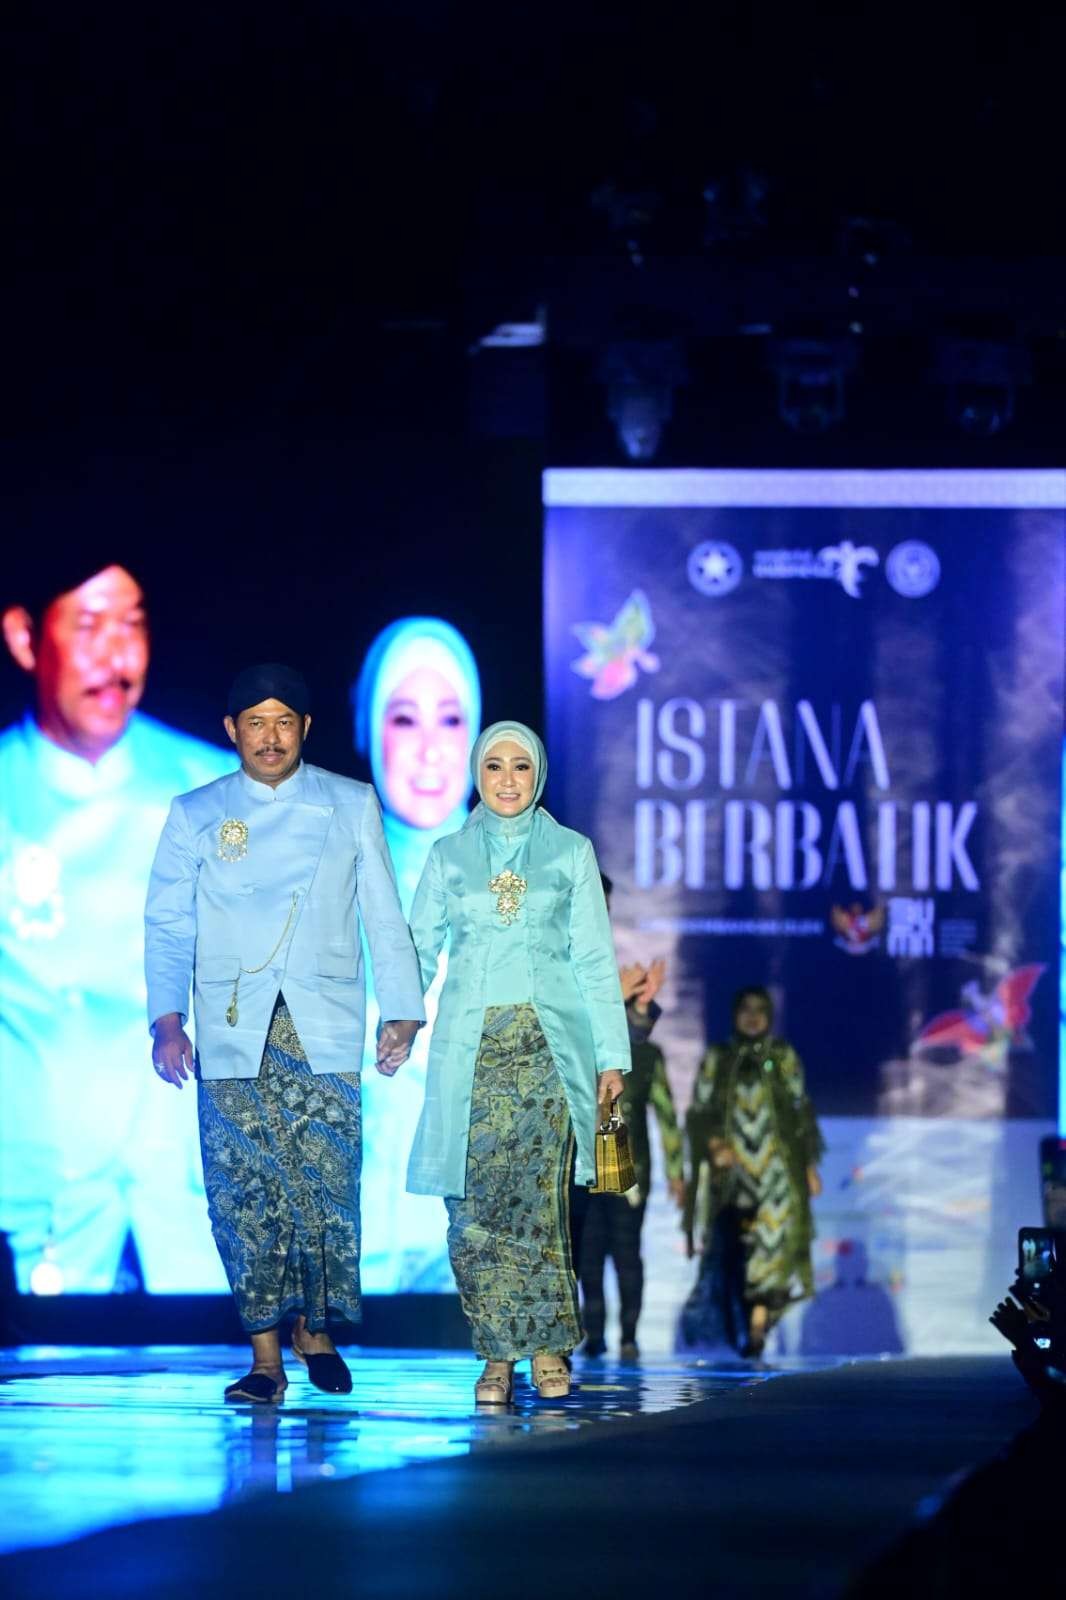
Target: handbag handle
609, 1116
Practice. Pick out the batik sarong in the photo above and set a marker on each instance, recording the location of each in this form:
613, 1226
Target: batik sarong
509, 1237
281, 1157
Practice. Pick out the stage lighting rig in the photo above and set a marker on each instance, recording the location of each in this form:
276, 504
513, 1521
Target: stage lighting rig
640, 376
981, 377
811, 376
735, 207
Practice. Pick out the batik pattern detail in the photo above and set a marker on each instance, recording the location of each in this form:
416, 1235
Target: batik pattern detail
509, 1237
281, 1156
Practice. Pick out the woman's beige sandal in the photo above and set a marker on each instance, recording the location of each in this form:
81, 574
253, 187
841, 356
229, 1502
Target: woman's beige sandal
551, 1377
495, 1385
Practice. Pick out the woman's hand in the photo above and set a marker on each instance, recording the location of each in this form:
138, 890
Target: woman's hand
653, 982
632, 979
608, 1089
814, 1182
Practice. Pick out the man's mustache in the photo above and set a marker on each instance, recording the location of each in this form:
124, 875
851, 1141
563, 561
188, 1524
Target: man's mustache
125, 684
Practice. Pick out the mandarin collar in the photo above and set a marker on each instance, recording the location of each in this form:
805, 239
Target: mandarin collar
507, 828
72, 774
268, 794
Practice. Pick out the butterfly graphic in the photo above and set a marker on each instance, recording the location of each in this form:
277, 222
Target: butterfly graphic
614, 651
987, 1023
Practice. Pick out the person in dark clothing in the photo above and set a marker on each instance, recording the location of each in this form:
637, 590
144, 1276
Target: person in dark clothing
611, 1224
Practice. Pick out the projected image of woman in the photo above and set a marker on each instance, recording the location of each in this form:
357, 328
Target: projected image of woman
417, 709
530, 1035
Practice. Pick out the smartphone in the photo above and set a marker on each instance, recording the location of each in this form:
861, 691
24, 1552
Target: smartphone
1036, 1256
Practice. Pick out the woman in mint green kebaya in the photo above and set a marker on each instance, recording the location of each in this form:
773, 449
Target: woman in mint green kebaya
530, 1036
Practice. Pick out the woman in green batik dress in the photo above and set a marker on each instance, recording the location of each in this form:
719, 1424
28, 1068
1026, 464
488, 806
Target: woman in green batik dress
755, 1147
529, 1040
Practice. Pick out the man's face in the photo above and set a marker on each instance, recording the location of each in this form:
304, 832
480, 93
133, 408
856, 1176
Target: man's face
269, 739
752, 1018
89, 657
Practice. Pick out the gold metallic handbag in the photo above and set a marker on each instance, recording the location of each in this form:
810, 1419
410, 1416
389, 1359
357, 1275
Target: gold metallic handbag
615, 1172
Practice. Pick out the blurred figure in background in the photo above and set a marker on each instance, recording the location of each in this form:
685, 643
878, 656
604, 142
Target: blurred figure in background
612, 1223
417, 711
755, 1147
91, 1150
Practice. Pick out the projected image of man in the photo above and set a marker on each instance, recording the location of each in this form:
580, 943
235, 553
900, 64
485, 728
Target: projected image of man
90, 1152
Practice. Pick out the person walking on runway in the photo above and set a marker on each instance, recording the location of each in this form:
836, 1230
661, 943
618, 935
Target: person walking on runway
258, 886
613, 1223
530, 1039
755, 1147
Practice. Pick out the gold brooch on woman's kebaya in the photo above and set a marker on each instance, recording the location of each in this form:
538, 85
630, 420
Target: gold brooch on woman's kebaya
232, 840
508, 888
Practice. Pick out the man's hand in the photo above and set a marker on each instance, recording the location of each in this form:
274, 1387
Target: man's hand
653, 982
632, 979
172, 1052
608, 1089
394, 1045
677, 1190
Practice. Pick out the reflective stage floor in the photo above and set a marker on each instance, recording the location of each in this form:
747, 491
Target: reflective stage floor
124, 1472
90, 1438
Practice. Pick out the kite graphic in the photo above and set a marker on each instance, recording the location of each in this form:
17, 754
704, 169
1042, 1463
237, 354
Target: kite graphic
986, 1025
614, 650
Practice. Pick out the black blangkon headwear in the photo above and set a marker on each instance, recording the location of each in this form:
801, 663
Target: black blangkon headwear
270, 680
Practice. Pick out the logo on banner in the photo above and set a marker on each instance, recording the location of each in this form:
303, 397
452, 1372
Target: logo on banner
715, 568
986, 1025
858, 931
844, 563
913, 569
615, 650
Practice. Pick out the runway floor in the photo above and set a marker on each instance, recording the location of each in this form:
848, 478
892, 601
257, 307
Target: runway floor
124, 1472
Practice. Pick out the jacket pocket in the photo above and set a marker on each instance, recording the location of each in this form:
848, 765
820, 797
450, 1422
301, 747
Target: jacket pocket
217, 969
336, 964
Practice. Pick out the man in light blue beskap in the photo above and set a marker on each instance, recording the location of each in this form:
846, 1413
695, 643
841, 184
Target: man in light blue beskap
259, 885
91, 1151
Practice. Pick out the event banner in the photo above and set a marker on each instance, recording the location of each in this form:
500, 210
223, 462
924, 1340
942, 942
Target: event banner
813, 724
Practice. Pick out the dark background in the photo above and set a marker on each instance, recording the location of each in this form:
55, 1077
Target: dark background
252, 250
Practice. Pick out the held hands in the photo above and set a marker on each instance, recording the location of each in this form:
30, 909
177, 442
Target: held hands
394, 1045
608, 1089
172, 1052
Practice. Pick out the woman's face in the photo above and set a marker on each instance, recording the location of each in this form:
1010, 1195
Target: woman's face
425, 748
507, 775
752, 1019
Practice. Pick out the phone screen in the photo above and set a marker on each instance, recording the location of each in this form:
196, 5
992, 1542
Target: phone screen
1036, 1255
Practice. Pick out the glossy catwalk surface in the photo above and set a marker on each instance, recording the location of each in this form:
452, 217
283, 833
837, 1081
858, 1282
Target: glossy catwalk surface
89, 1438
672, 1477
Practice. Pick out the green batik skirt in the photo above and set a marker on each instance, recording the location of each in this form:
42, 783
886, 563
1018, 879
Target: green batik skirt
509, 1237
281, 1159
